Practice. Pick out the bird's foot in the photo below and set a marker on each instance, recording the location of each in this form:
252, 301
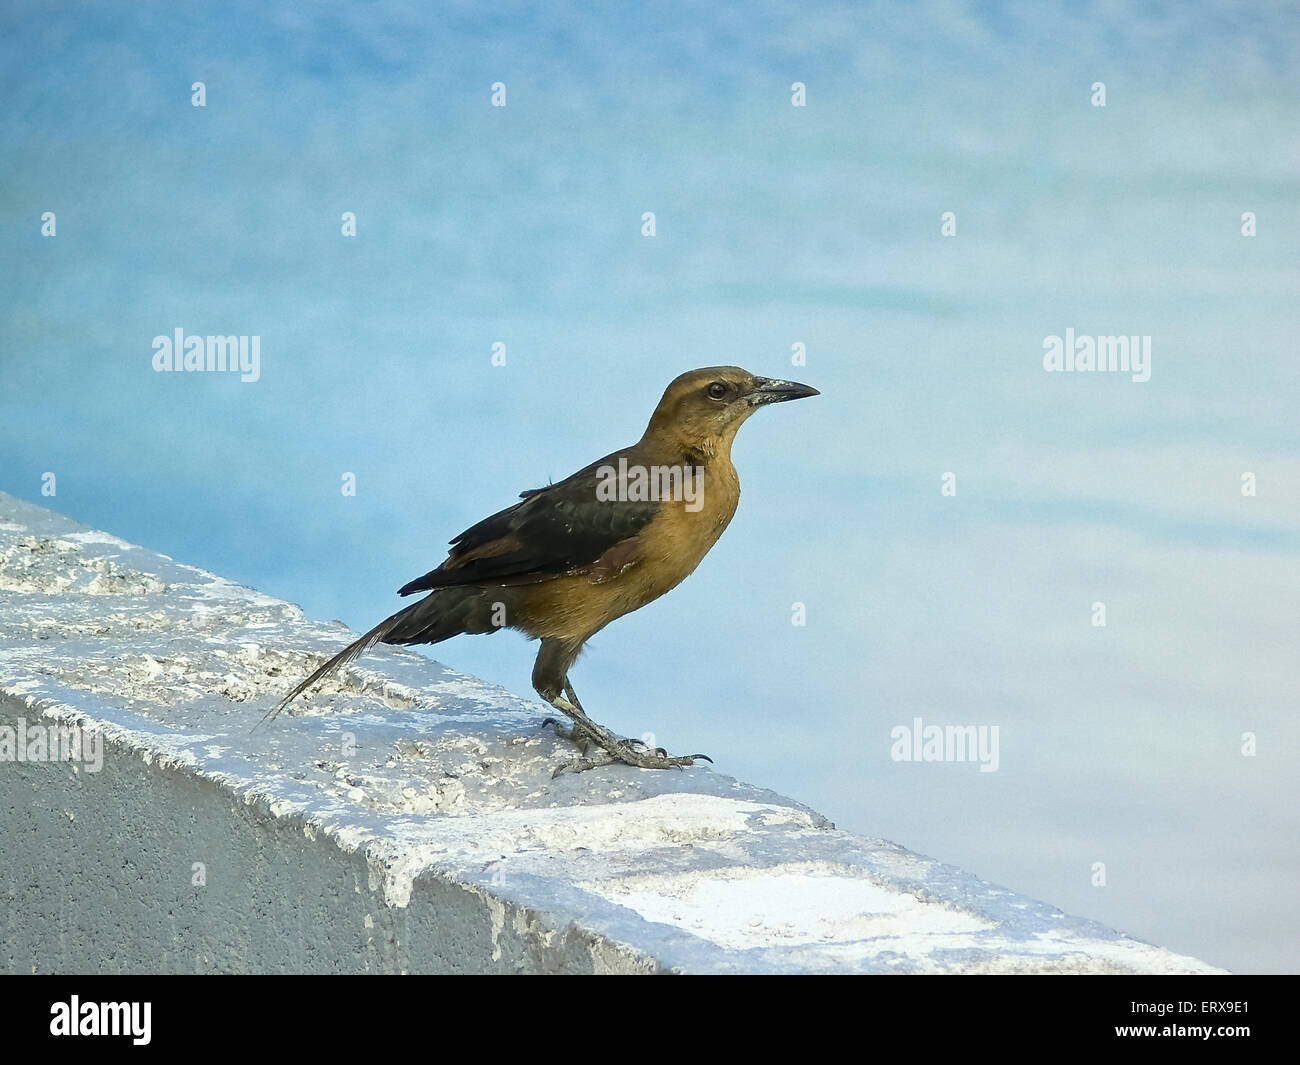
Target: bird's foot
634, 752
586, 734
565, 732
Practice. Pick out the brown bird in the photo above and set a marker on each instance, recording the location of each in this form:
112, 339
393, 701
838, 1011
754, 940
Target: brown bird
571, 557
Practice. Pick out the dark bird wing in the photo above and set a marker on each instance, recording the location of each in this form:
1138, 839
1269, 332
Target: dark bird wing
563, 528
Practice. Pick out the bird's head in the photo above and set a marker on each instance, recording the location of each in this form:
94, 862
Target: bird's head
702, 409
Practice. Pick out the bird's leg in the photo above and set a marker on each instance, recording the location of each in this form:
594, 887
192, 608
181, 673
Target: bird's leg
551, 677
584, 733
639, 745
631, 752
569, 732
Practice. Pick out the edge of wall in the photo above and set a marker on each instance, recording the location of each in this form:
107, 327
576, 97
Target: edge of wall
406, 818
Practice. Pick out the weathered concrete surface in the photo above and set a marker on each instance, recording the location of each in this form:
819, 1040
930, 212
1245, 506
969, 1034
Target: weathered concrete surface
441, 842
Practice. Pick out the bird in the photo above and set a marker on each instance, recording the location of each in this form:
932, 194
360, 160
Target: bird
570, 558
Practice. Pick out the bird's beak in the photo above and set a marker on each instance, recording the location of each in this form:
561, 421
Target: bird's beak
767, 390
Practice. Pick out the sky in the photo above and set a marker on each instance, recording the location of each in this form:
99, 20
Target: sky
1122, 791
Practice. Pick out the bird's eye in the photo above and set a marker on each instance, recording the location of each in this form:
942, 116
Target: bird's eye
717, 390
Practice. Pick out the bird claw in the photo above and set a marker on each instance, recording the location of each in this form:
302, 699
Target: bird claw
641, 754
586, 734
578, 765
568, 732
626, 754
641, 747
661, 759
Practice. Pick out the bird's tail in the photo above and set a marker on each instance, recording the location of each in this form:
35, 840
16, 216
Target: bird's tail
440, 616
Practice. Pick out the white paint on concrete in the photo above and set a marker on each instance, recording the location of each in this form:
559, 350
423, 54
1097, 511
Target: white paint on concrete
406, 816
744, 910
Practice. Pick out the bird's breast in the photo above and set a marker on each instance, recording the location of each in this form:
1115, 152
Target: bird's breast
658, 558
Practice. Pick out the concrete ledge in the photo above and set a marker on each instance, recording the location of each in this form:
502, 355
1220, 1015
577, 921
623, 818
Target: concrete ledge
406, 819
